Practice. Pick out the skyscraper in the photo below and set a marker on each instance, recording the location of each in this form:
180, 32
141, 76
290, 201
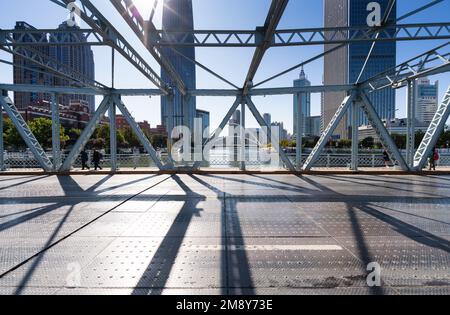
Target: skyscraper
305, 101
344, 65
206, 121
178, 17
427, 102
268, 119
27, 72
79, 58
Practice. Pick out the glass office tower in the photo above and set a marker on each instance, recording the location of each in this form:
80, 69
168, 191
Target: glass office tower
178, 17
343, 66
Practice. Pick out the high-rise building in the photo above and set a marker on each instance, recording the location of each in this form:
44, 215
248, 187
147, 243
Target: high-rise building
178, 17
27, 72
268, 119
426, 100
205, 117
344, 65
282, 133
305, 102
313, 126
80, 58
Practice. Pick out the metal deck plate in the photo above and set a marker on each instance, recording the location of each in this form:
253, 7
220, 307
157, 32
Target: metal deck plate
226, 234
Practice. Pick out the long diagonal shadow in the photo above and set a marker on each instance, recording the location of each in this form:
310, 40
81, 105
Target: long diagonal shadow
236, 273
166, 254
35, 263
408, 230
364, 254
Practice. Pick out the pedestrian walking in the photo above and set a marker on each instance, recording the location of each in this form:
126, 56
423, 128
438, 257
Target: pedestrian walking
386, 159
84, 160
433, 159
97, 158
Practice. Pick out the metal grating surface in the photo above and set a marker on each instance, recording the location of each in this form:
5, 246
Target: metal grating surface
244, 234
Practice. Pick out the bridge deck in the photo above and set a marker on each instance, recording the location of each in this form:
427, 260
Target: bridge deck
223, 234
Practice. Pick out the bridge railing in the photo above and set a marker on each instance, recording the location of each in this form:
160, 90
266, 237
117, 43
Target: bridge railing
26, 161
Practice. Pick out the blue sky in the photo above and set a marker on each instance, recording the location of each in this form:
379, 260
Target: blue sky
232, 63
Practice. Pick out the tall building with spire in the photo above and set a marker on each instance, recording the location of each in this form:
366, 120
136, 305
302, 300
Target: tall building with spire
305, 101
178, 17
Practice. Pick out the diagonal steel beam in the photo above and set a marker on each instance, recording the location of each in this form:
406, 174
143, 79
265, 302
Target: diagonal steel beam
433, 133
328, 132
276, 11
52, 65
378, 126
86, 134
138, 132
24, 131
101, 25
143, 29
263, 123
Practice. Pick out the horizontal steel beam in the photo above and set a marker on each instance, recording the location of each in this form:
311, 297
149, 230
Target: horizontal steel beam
156, 92
81, 91
303, 37
50, 37
273, 91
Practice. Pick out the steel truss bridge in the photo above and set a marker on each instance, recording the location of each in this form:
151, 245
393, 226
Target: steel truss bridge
102, 32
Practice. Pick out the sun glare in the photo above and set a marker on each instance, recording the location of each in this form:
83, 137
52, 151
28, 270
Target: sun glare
144, 6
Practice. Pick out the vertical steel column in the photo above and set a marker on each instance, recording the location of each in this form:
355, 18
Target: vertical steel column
56, 133
113, 135
2, 149
355, 138
170, 124
411, 123
242, 136
299, 131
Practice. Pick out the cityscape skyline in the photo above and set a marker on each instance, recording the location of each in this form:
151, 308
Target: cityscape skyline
276, 59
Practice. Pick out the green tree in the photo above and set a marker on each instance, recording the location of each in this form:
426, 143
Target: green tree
418, 138
400, 140
368, 143
130, 137
159, 141
73, 135
344, 144
11, 136
42, 130
40, 127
